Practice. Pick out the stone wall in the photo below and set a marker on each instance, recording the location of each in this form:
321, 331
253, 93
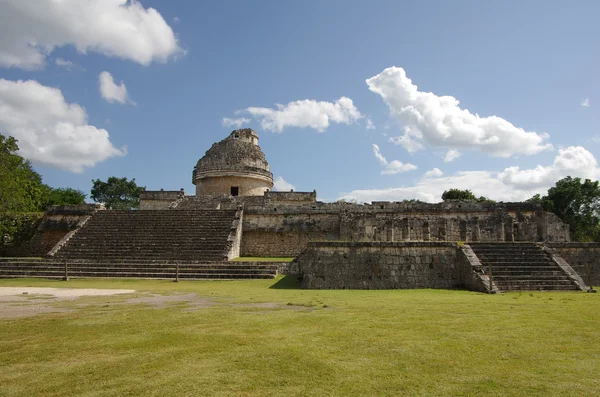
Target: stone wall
291, 197
347, 265
580, 256
160, 199
282, 244
271, 233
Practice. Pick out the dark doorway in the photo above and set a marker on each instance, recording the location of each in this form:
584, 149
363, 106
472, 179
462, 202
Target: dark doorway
235, 190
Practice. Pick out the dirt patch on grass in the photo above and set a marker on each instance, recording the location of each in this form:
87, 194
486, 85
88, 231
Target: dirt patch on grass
162, 301
62, 293
17, 302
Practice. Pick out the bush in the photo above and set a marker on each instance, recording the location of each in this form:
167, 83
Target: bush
17, 228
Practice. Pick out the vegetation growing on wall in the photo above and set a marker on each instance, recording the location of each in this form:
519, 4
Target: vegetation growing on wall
17, 228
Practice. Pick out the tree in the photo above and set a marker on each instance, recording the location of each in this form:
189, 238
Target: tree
458, 194
62, 196
576, 203
21, 187
117, 193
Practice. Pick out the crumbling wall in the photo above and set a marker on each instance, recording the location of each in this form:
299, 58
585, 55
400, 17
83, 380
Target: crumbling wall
57, 222
581, 257
160, 199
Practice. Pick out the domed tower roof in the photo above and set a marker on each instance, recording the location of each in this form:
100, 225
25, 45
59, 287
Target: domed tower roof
237, 155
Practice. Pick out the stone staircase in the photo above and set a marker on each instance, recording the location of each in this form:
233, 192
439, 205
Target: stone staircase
57, 269
522, 267
185, 235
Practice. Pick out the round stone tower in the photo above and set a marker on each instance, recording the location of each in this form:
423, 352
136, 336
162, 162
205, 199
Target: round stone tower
234, 166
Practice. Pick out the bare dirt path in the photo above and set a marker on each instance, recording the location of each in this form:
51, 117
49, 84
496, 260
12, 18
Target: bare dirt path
16, 302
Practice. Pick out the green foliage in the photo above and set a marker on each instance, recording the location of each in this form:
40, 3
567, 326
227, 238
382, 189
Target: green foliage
117, 193
21, 187
458, 194
17, 228
576, 203
62, 196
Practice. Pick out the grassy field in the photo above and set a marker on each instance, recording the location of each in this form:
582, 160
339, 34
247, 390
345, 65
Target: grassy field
266, 338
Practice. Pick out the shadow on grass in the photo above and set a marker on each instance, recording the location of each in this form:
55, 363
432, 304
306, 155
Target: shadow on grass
287, 282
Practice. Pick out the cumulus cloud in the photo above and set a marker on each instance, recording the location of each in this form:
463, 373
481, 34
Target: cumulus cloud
575, 161
117, 28
586, 103
281, 185
439, 121
435, 172
511, 184
306, 113
236, 123
451, 155
111, 91
369, 124
50, 130
63, 63
391, 167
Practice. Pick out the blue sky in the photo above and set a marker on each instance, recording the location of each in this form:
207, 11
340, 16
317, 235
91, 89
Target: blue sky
500, 98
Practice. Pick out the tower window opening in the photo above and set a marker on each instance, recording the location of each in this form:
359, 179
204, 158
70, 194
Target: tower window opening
235, 190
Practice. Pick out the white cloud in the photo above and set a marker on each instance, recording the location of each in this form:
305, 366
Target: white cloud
50, 130
451, 155
63, 63
281, 185
433, 173
236, 123
305, 113
393, 167
439, 121
512, 184
575, 161
111, 91
117, 28
369, 124
586, 103
176, 20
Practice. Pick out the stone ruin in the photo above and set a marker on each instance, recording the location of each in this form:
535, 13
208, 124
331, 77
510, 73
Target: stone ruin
336, 245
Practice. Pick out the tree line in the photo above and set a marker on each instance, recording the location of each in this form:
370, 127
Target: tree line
575, 201
22, 189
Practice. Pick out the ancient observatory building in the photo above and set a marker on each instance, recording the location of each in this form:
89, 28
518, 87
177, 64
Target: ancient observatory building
235, 166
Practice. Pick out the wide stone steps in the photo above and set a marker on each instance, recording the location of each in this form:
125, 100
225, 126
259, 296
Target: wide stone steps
522, 267
91, 269
152, 235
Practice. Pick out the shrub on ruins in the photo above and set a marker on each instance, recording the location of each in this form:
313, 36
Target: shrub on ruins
117, 193
458, 194
576, 203
17, 228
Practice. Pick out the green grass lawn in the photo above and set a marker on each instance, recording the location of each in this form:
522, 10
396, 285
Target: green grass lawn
312, 343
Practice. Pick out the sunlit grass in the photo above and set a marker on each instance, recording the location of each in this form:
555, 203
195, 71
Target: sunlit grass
313, 343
